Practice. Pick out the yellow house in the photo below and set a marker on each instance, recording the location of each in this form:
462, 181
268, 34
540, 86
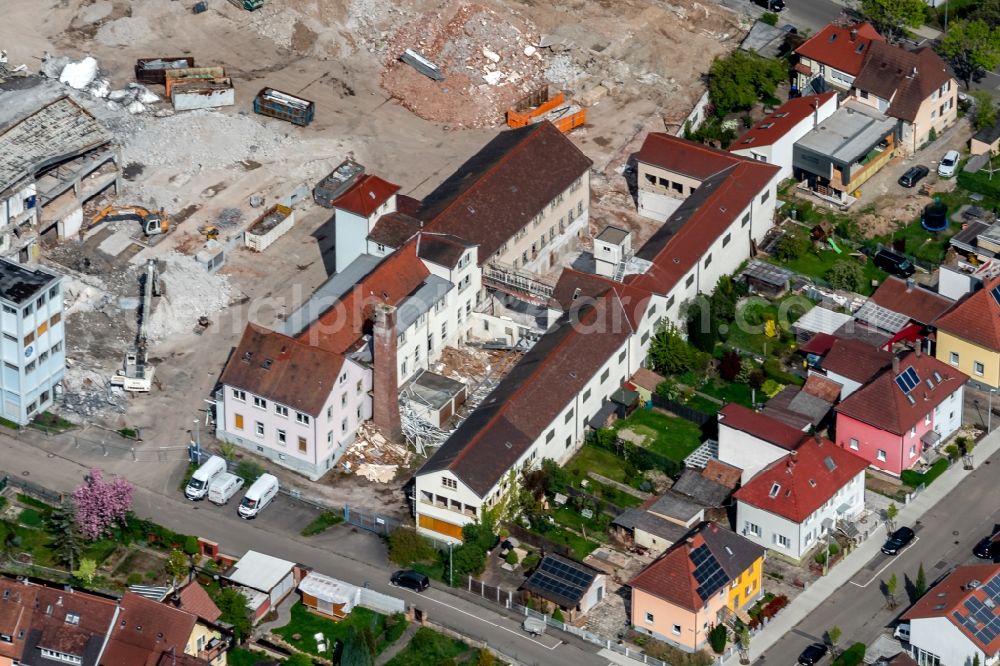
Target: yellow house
968, 336
709, 575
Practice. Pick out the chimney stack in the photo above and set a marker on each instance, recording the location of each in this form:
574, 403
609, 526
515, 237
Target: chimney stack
385, 401
895, 364
854, 34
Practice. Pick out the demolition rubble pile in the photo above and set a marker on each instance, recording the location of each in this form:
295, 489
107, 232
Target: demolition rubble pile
84, 75
373, 456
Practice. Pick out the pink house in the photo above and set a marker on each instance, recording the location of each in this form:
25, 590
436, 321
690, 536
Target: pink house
902, 412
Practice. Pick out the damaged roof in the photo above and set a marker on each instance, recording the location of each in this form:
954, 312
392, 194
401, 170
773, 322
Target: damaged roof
56, 132
500, 189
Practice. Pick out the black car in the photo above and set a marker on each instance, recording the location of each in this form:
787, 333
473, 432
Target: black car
898, 541
913, 175
411, 579
988, 548
894, 263
770, 5
812, 654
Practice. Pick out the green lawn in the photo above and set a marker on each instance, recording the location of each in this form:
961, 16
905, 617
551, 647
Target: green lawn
306, 625
922, 244
815, 264
241, 657
322, 522
31, 518
727, 392
670, 436
579, 546
429, 647
592, 459
569, 517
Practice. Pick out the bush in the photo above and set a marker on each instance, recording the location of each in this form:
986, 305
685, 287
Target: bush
249, 471
820, 558
134, 578
558, 615
769, 18
834, 549
792, 245
191, 545
717, 638
511, 558
771, 388
322, 522
731, 366
852, 656
952, 451
770, 609
531, 561
406, 547
847, 275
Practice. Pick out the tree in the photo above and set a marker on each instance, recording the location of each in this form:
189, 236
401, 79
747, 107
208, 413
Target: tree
66, 537
101, 504
739, 80
972, 48
847, 275
717, 638
792, 245
890, 591
177, 565
920, 584
989, 11
984, 110
233, 607
891, 17
355, 652
834, 635
730, 366
975, 659
469, 558
87, 571
670, 353
891, 512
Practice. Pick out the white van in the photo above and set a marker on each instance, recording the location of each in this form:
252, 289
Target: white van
197, 487
224, 487
260, 495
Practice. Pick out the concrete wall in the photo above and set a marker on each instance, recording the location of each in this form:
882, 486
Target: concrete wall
661, 190
351, 232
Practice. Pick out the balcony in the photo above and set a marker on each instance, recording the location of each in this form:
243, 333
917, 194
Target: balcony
214, 649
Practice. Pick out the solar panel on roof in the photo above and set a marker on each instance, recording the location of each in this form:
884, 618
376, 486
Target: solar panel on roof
907, 380
708, 573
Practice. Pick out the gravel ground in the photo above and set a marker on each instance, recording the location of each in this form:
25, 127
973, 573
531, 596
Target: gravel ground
191, 292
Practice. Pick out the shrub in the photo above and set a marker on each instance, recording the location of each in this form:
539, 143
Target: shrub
249, 471
770, 609
731, 366
151, 575
511, 558
834, 549
769, 18
792, 245
771, 388
820, 558
134, 578
191, 545
406, 547
717, 638
531, 561
852, 656
847, 275
952, 451
558, 615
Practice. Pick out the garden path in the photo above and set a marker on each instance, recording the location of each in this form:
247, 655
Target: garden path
398, 646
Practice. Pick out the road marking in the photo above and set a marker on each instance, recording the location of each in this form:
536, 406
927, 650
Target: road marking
493, 624
891, 560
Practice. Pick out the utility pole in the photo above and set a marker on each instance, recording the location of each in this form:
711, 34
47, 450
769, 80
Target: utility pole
451, 568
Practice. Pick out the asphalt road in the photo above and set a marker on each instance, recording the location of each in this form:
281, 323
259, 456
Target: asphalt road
945, 537
342, 552
810, 15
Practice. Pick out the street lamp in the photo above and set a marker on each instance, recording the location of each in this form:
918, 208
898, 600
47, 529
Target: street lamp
989, 414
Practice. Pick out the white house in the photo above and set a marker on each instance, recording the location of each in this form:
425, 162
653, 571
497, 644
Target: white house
958, 619
796, 500
751, 441
295, 404
771, 138
356, 212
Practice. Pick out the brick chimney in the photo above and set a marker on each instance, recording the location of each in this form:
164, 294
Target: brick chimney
385, 399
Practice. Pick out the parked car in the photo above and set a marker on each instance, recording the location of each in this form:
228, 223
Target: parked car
949, 164
988, 548
897, 541
902, 632
894, 263
913, 175
770, 5
790, 29
260, 494
413, 580
812, 654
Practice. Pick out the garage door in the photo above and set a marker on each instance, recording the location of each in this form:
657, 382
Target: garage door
657, 206
440, 526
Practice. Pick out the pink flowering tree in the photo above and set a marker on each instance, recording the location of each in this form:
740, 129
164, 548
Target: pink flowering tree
100, 504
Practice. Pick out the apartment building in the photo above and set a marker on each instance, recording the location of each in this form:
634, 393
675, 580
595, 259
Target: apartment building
356, 212
298, 405
34, 354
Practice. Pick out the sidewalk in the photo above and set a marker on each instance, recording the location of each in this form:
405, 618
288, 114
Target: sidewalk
839, 576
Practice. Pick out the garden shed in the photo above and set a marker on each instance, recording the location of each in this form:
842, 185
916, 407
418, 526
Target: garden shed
572, 586
264, 580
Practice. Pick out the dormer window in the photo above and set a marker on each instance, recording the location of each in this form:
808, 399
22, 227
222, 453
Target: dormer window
72, 618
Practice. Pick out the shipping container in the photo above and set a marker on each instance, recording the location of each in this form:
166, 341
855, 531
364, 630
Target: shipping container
202, 94
269, 227
336, 182
564, 115
277, 104
192, 73
154, 70
249, 5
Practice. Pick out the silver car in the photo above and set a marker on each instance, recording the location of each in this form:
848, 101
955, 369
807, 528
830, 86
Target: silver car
949, 164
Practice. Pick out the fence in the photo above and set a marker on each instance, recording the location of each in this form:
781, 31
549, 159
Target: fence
381, 603
642, 458
30, 488
498, 595
684, 411
604, 506
381, 525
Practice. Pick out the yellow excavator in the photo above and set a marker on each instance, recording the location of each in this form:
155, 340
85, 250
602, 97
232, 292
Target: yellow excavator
152, 222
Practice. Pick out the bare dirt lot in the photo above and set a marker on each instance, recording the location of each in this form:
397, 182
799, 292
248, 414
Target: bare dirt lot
638, 63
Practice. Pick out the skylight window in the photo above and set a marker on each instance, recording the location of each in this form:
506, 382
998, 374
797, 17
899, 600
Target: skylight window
767, 126
775, 489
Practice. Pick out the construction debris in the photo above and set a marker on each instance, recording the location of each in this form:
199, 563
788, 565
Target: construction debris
377, 473
79, 75
373, 456
190, 293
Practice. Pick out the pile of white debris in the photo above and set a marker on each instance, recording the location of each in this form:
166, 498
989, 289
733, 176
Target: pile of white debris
84, 75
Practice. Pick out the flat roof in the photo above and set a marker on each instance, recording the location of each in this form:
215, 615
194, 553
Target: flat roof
613, 235
20, 283
329, 293
431, 389
54, 133
328, 589
849, 133
259, 571
767, 273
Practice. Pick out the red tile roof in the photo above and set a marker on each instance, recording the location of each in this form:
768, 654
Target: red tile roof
882, 404
779, 122
647, 379
722, 473
835, 46
145, 629
919, 304
976, 318
340, 328
804, 480
818, 344
283, 369
574, 285
904, 78
195, 599
762, 427
947, 599
822, 387
855, 360
687, 157
671, 577
365, 195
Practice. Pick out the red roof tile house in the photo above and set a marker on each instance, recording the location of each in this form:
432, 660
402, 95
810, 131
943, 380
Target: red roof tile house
958, 620
833, 57
796, 500
698, 583
902, 413
772, 137
853, 363
356, 212
751, 441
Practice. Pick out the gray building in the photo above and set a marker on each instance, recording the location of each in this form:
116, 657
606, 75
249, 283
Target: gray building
33, 349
